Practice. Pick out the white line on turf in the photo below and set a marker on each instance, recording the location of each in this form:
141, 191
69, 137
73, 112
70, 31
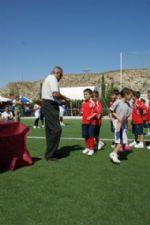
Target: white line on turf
75, 138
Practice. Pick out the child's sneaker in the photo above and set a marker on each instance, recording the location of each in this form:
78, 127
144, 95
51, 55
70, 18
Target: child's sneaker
139, 145
148, 147
91, 152
102, 143
112, 146
85, 151
148, 134
114, 157
34, 127
132, 144
62, 124
99, 147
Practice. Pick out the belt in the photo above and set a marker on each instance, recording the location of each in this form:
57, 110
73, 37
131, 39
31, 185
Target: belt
50, 101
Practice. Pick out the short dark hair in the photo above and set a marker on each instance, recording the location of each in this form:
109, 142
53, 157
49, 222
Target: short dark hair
96, 93
88, 90
125, 91
115, 92
143, 100
136, 94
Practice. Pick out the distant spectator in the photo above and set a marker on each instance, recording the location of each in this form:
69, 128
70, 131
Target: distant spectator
42, 118
61, 114
37, 109
17, 109
7, 115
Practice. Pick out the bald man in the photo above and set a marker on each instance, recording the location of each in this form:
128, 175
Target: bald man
52, 97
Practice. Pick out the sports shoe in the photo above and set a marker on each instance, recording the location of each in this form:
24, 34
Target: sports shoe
148, 147
102, 143
114, 157
62, 124
132, 144
99, 147
85, 151
139, 145
148, 134
112, 146
91, 152
34, 127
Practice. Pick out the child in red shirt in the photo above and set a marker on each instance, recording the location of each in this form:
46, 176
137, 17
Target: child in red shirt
148, 113
88, 112
138, 111
99, 110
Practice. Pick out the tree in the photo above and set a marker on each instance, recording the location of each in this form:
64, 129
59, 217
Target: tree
103, 86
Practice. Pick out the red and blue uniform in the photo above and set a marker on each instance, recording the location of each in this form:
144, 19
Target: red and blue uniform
88, 108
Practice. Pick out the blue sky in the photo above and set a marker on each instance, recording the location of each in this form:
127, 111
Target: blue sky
36, 35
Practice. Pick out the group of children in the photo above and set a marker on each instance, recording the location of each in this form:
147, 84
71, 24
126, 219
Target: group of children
124, 104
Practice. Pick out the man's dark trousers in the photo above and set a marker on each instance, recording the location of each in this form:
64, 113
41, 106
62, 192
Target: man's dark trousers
50, 110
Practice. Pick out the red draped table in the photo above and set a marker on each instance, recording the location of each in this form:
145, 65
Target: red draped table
13, 148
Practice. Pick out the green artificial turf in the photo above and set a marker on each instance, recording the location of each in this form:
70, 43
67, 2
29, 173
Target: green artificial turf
77, 190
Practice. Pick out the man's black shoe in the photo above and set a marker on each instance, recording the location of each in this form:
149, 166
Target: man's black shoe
52, 159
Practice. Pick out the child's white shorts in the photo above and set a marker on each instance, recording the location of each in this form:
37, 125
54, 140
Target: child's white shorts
120, 137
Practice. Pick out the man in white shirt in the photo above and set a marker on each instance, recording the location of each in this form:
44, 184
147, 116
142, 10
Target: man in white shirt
51, 97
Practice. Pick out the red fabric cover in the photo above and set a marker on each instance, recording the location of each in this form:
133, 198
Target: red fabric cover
13, 148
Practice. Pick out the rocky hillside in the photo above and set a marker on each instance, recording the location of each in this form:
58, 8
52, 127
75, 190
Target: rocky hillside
135, 79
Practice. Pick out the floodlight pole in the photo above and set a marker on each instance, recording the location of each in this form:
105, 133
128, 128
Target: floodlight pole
121, 70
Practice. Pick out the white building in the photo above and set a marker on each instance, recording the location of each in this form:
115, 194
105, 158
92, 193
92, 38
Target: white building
74, 93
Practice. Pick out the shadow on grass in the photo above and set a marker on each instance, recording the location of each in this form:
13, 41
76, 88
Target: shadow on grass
147, 143
65, 151
124, 155
4, 168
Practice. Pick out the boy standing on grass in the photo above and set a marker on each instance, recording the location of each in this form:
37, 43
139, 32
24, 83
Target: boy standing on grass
138, 111
148, 113
120, 113
88, 112
114, 100
99, 109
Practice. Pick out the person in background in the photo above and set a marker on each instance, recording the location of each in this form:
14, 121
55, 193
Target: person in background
99, 109
120, 113
17, 109
145, 115
148, 112
88, 112
114, 100
41, 117
11, 108
148, 115
7, 115
36, 109
138, 112
61, 114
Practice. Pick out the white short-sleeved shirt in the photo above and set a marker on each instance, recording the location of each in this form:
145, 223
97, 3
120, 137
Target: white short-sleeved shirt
49, 86
7, 115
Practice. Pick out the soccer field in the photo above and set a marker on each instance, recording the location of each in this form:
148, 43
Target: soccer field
77, 190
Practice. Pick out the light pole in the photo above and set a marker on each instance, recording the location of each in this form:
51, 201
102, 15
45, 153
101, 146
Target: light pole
121, 70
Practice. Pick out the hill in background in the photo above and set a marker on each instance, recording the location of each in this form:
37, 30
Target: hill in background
138, 79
